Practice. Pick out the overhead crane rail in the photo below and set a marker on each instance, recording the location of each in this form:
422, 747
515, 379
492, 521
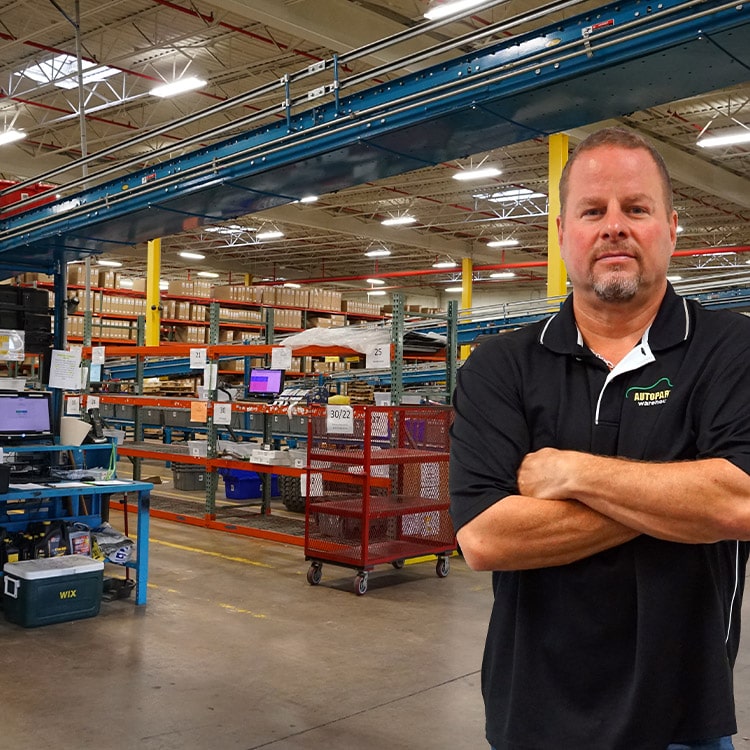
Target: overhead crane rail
530, 85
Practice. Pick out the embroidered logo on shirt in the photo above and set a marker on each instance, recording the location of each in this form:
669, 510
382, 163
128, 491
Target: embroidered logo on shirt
650, 395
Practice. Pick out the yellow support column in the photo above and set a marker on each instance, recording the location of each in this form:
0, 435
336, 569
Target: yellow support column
556, 275
153, 305
467, 273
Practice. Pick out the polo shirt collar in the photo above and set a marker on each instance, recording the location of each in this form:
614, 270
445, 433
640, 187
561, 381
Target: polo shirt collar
671, 326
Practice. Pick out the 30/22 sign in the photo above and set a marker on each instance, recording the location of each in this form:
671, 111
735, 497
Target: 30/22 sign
339, 419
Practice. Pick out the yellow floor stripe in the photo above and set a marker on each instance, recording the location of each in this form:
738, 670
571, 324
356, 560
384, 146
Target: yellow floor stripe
231, 558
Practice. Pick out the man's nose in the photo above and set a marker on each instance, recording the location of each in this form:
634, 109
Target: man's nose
614, 225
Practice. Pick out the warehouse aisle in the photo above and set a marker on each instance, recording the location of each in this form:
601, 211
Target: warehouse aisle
236, 651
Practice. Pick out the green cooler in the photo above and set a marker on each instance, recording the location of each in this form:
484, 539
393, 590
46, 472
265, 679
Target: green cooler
52, 589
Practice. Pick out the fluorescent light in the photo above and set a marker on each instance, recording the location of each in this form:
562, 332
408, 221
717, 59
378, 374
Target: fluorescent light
502, 275
444, 264
378, 252
454, 289
109, 263
190, 83
377, 293
292, 285
511, 195
309, 199
397, 221
375, 282
476, 174
229, 229
192, 256
443, 8
208, 274
674, 278
271, 234
503, 243
730, 139
10, 136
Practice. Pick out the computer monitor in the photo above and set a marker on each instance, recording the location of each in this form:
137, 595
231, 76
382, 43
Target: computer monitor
265, 383
26, 417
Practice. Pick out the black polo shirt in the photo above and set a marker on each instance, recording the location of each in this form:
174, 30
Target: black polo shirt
631, 648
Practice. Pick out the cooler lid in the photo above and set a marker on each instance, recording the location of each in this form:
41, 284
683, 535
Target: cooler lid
50, 567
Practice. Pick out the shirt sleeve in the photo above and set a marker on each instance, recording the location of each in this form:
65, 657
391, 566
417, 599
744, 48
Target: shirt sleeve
490, 435
723, 430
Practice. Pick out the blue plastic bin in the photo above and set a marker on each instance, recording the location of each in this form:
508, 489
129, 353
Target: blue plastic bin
246, 485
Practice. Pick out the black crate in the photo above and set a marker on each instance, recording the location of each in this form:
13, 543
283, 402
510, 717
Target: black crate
10, 317
34, 321
34, 299
8, 295
37, 342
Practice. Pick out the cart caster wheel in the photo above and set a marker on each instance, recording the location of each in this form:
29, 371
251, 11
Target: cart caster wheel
443, 567
360, 584
398, 564
314, 574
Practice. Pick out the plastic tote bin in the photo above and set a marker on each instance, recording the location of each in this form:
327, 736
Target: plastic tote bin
189, 476
244, 485
52, 589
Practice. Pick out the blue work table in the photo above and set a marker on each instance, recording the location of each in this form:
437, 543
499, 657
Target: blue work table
76, 501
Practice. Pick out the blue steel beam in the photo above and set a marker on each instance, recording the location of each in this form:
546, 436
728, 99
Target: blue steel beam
618, 59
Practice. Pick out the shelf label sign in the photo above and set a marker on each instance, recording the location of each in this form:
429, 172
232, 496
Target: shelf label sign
281, 358
198, 359
339, 419
378, 357
97, 355
211, 376
223, 413
92, 402
73, 406
65, 369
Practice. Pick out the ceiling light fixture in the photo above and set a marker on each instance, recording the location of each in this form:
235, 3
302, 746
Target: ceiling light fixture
270, 234
511, 195
397, 221
192, 256
208, 274
503, 243
377, 293
11, 136
378, 252
503, 275
443, 8
375, 282
730, 139
292, 285
454, 289
481, 173
229, 229
109, 263
309, 199
674, 278
181, 86
448, 263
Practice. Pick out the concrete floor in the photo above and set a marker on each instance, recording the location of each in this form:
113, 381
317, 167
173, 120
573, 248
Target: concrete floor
236, 650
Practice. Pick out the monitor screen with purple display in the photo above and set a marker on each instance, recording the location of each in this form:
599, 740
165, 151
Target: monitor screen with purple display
25, 417
265, 383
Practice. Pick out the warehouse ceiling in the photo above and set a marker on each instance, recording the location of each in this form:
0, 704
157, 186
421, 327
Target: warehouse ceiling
129, 46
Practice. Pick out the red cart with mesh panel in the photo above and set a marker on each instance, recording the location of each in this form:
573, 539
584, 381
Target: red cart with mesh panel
377, 489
